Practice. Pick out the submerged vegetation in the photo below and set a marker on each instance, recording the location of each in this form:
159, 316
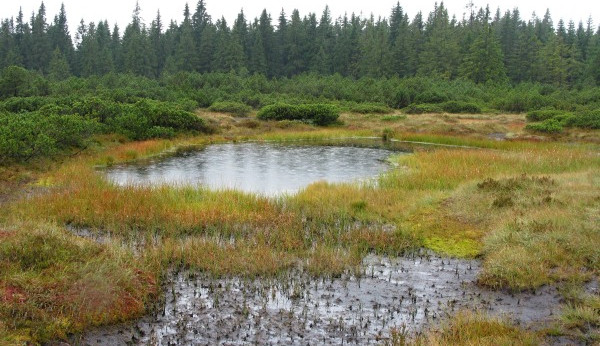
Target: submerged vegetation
520, 193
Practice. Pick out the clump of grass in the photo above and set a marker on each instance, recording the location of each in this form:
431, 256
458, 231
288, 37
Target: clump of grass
546, 241
584, 316
332, 262
506, 191
221, 259
387, 134
53, 284
468, 328
580, 317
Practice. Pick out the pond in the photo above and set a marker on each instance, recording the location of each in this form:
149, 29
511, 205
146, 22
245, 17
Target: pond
264, 168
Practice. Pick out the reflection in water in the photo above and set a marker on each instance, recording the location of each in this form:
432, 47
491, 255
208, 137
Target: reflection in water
257, 167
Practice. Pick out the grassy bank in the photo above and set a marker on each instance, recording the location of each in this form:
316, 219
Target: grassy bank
528, 208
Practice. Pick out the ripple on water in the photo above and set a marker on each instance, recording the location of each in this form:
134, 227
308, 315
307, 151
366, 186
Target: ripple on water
265, 168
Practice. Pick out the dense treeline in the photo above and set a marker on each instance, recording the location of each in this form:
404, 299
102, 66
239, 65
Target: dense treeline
483, 46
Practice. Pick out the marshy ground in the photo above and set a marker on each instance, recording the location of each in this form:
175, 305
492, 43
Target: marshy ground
412, 292
514, 218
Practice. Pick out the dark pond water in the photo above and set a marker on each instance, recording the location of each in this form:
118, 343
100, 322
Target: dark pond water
264, 168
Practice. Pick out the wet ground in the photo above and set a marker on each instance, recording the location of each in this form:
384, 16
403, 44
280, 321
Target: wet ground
412, 291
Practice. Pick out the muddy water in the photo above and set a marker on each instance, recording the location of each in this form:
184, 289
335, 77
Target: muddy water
265, 168
412, 291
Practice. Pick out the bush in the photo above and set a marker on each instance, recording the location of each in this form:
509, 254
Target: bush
546, 126
585, 120
24, 104
150, 119
187, 104
423, 108
97, 108
402, 98
431, 96
235, 108
29, 135
318, 114
523, 99
161, 132
461, 107
18, 82
370, 108
543, 114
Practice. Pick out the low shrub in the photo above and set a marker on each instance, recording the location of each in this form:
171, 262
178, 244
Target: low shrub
16, 81
550, 119
24, 104
370, 108
543, 114
29, 135
149, 119
234, 108
187, 104
318, 114
423, 108
546, 126
461, 107
431, 96
584, 120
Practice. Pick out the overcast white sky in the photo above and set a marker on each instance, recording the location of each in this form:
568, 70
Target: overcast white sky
119, 11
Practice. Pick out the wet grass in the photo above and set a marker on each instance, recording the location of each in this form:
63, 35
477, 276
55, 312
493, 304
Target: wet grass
53, 283
468, 328
528, 209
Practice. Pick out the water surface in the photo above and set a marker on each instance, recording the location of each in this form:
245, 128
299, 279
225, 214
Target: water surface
415, 291
265, 168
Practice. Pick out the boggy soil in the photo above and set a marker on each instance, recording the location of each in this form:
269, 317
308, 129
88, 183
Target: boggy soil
407, 293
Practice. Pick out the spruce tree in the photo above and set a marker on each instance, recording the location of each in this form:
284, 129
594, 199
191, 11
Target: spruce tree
40, 45
484, 62
59, 67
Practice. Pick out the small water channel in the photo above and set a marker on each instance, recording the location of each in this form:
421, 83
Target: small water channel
264, 168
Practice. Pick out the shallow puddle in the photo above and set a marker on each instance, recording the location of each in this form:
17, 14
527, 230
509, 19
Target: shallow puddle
265, 168
411, 291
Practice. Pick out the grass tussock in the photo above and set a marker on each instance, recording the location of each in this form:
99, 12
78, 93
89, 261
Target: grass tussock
468, 328
53, 283
539, 229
